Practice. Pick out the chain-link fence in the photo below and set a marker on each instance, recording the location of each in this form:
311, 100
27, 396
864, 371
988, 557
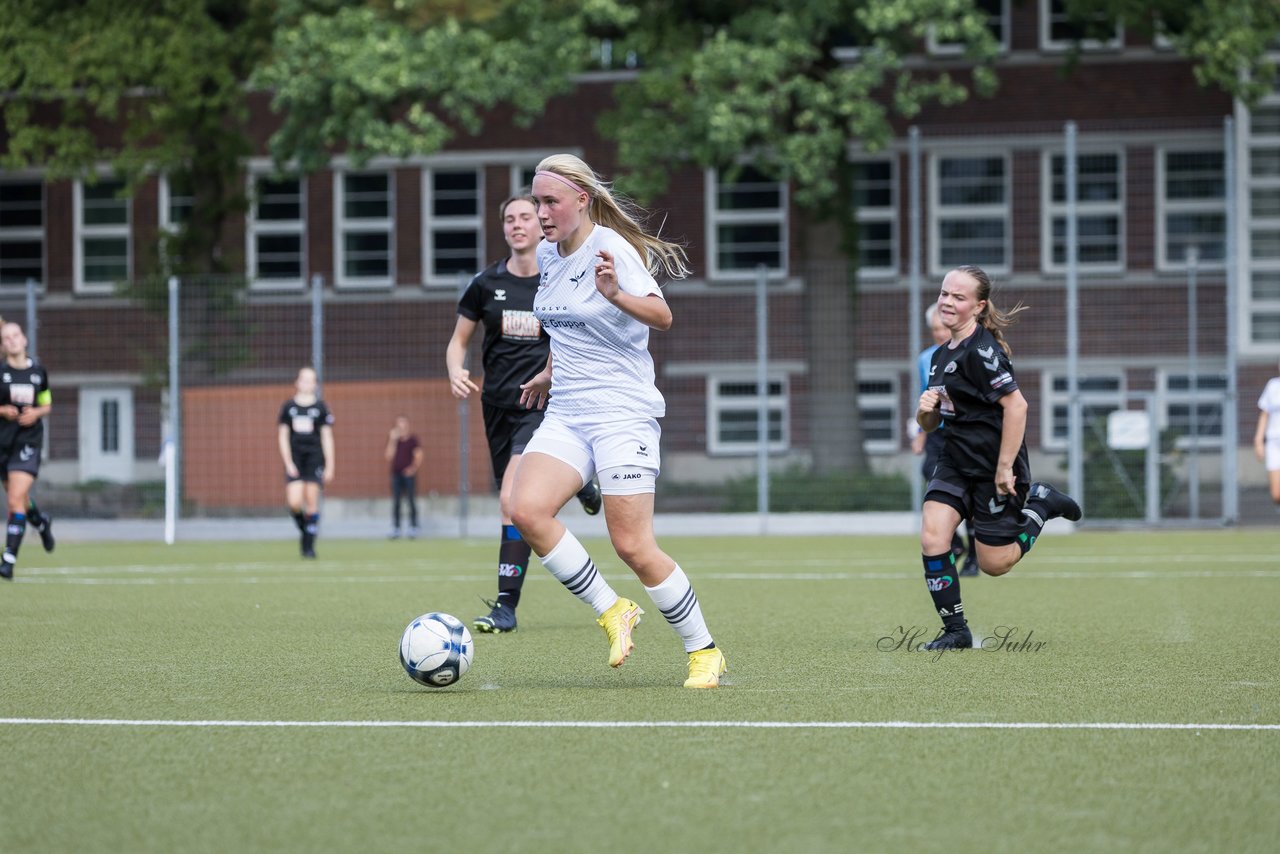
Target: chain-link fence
1121, 240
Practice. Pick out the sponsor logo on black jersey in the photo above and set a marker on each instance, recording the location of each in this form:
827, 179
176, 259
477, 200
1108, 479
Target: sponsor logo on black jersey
950, 368
500, 295
989, 358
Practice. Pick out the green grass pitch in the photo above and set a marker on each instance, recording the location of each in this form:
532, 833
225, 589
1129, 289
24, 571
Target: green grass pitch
1103, 628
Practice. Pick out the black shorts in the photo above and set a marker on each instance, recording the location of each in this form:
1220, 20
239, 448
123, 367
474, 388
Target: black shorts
310, 465
508, 432
997, 519
20, 456
933, 444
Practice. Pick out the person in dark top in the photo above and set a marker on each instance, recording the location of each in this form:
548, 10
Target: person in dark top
306, 448
982, 472
514, 348
25, 399
404, 453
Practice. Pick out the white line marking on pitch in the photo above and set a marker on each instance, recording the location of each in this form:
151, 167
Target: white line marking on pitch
637, 724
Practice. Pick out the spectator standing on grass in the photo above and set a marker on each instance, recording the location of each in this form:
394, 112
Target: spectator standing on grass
305, 438
930, 444
598, 300
515, 348
982, 471
1266, 439
404, 453
25, 399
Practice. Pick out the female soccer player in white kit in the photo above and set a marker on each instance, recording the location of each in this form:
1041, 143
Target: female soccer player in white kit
597, 299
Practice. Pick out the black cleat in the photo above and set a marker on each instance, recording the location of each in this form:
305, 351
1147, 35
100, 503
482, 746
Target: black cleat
45, 529
591, 498
7, 563
1054, 503
500, 619
309, 546
970, 567
959, 638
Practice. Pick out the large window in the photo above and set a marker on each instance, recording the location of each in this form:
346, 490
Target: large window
364, 228
997, 15
101, 235
1192, 207
277, 232
1100, 395
454, 229
21, 230
1193, 418
1099, 209
876, 203
970, 213
733, 405
1263, 182
1059, 32
748, 224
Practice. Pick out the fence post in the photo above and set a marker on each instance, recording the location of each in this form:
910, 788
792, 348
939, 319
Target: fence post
1193, 369
317, 329
1075, 431
916, 286
1230, 414
762, 390
33, 319
173, 443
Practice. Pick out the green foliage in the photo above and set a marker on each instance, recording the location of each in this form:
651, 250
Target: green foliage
799, 490
1116, 481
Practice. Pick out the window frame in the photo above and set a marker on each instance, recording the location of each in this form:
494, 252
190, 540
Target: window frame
717, 404
937, 48
344, 225
1213, 396
938, 213
887, 214
431, 224
1051, 397
778, 216
868, 400
255, 227
27, 234
1051, 45
1165, 207
1255, 307
1049, 210
82, 232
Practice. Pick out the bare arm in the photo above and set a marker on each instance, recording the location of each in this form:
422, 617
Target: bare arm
286, 454
534, 393
326, 444
1260, 435
927, 415
418, 456
33, 414
651, 310
1011, 435
455, 358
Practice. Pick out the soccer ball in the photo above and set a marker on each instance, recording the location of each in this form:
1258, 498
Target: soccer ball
436, 649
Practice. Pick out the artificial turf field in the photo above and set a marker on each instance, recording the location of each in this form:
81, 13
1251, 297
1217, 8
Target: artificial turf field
228, 697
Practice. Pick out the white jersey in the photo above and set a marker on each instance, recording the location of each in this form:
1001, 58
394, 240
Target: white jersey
600, 362
1270, 404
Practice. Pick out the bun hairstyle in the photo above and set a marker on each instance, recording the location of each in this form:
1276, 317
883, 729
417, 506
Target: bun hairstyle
995, 320
620, 214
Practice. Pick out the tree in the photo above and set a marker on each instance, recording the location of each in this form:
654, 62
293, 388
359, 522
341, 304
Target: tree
146, 86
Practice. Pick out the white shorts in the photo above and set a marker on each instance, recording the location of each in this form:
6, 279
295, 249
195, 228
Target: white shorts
1271, 450
623, 451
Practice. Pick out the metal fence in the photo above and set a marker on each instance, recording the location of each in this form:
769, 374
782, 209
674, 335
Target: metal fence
1122, 244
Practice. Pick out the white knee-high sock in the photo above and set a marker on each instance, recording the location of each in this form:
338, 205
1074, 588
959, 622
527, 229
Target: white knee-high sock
679, 604
574, 568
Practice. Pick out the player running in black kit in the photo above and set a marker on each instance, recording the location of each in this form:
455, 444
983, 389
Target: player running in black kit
514, 349
306, 448
25, 399
982, 472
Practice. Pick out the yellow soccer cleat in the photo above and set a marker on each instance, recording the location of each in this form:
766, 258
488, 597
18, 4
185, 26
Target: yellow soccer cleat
618, 623
706, 666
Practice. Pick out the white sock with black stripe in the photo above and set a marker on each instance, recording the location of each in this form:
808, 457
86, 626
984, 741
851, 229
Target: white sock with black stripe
574, 568
679, 604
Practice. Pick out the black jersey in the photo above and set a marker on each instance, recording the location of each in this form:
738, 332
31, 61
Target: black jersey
24, 388
971, 380
304, 423
515, 346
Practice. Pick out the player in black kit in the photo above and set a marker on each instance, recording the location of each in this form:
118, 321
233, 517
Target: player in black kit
514, 349
25, 399
306, 448
982, 472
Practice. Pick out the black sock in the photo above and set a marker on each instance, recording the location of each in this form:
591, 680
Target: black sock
1033, 519
312, 528
34, 516
513, 564
299, 519
944, 586
13, 535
